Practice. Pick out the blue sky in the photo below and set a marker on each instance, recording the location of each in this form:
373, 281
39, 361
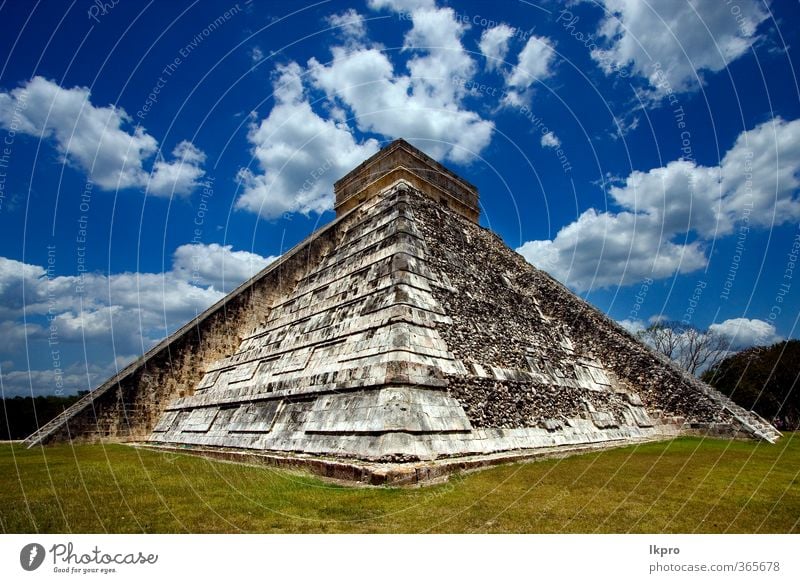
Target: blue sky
155, 155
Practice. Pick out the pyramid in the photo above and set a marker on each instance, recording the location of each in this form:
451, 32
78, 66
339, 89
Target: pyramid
397, 343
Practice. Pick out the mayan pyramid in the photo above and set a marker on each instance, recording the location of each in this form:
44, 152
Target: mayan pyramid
400, 333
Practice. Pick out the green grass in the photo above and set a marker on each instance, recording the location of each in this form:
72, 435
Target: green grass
686, 485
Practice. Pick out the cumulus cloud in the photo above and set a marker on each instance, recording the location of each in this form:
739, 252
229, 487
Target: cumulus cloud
138, 308
350, 24
494, 44
96, 324
216, 265
684, 38
14, 277
180, 176
744, 332
667, 214
758, 177
14, 334
550, 140
535, 61
602, 249
762, 170
125, 313
633, 326
77, 377
98, 140
424, 105
299, 153
401, 5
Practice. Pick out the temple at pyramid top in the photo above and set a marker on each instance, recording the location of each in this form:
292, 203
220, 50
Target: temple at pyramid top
402, 161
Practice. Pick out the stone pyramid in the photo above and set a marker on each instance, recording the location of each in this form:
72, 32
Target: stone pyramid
402, 334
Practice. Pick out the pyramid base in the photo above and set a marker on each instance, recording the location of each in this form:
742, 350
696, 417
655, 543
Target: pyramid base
390, 474
366, 472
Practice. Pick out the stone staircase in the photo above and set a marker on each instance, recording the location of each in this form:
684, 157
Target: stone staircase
40, 435
750, 421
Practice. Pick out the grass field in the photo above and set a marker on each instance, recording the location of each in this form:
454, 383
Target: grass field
686, 485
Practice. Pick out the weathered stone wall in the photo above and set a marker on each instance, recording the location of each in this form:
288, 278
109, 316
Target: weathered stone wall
508, 314
511, 404
348, 363
127, 406
660, 384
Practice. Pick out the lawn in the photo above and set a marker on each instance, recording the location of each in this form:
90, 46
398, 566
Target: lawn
686, 485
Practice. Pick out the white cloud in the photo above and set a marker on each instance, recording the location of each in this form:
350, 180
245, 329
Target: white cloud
14, 276
680, 196
350, 24
97, 139
535, 62
423, 106
115, 318
494, 45
550, 140
633, 326
685, 38
401, 5
426, 113
435, 38
256, 54
603, 249
215, 265
138, 307
40, 382
14, 334
300, 153
763, 170
180, 176
756, 181
70, 380
744, 332
758, 178
96, 324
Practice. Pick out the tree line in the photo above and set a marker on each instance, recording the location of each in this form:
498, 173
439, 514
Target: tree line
763, 379
21, 416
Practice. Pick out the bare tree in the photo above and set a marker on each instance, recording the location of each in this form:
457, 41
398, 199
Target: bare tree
693, 349
665, 337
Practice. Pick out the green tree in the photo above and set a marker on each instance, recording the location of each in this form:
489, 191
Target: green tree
763, 379
21, 416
